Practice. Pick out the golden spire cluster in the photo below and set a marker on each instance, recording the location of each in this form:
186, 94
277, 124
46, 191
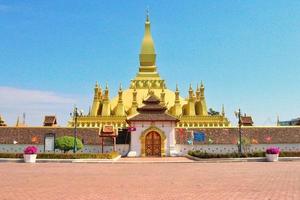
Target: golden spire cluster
192, 111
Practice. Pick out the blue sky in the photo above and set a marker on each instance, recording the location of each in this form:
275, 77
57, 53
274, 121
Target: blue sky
246, 52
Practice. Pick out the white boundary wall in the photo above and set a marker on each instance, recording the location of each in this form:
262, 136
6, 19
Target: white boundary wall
181, 149
223, 149
18, 148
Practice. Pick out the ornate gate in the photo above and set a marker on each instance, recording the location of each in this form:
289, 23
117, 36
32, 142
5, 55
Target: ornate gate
153, 144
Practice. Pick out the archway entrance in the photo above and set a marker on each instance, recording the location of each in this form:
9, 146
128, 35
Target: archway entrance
153, 144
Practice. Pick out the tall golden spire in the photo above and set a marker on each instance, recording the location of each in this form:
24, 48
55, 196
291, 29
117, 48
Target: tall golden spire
147, 71
147, 54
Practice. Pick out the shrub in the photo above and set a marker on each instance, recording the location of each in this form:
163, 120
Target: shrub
11, 155
30, 150
203, 154
66, 143
110, 155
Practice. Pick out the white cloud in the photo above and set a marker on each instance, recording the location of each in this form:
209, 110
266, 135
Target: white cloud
12, 96
35, 103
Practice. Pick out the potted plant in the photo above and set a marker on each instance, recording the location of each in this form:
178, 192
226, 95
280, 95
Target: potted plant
30, 153
272, 154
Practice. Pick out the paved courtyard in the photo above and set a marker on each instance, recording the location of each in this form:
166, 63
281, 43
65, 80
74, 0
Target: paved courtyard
255, 180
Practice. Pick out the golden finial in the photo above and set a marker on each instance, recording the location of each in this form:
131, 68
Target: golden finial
147, 14
202, 85
120, 87
96, 85
106, 86
191, 87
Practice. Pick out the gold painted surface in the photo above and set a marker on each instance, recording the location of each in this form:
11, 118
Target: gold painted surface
142, 94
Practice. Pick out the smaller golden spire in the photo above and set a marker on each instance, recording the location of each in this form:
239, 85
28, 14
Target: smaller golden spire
96, 90
177, 100
223, 110
120, 93
191, 92
202, 89
106, 92
198, 92
100, 92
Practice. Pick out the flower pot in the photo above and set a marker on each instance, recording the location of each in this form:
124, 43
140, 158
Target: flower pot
29, 158
272, 157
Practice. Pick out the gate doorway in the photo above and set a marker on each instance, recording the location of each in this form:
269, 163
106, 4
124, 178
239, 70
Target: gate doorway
153, 144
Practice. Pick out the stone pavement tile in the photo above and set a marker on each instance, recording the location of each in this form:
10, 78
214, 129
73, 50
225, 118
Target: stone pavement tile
209, 181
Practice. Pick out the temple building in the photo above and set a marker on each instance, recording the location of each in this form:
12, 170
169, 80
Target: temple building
191, 112
2, 121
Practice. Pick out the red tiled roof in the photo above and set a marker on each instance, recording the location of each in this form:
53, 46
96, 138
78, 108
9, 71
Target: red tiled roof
246, 120
152, 111
50, 120
152, 117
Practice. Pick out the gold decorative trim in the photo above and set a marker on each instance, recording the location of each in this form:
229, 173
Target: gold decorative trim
162, 136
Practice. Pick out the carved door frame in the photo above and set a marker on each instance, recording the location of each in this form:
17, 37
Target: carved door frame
162, 142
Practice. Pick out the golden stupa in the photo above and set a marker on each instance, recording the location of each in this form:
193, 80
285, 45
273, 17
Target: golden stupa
191, 111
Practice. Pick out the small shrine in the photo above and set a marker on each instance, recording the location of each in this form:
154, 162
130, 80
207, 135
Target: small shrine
154, 133
108, 131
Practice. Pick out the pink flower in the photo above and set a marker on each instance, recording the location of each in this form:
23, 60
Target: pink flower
30, 150
273, 150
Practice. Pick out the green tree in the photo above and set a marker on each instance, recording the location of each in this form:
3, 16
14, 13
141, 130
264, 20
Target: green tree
66, 143
213, 112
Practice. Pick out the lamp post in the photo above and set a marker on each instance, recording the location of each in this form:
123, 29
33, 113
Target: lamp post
75, 114
238, 115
